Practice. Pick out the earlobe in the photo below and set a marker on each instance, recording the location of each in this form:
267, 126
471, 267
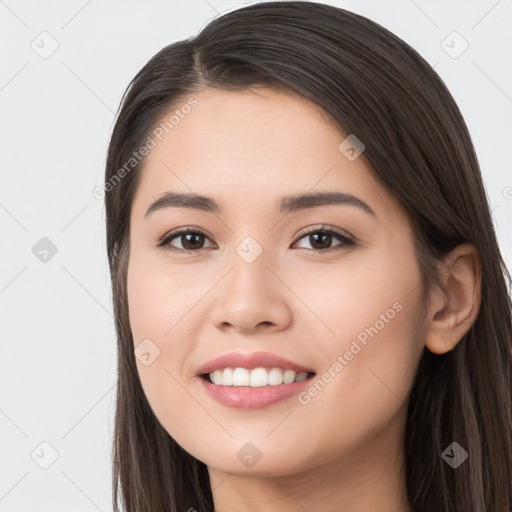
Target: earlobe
454, 309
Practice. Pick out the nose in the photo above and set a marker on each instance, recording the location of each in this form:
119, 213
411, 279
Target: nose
252, 298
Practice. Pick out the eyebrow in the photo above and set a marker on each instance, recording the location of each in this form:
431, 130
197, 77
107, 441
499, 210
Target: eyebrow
284, 205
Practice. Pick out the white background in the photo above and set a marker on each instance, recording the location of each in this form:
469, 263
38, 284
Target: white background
58, 359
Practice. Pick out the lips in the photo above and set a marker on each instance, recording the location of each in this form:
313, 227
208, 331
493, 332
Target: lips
251, 360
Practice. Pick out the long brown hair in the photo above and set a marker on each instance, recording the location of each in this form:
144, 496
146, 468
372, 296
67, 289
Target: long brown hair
368, 82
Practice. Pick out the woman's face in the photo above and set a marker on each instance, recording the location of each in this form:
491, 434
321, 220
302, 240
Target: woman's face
255, 279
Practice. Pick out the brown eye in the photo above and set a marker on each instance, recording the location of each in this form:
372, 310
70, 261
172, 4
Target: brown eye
320, 240
190, 240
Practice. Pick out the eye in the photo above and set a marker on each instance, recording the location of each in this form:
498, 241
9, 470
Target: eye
190, 240
321, 237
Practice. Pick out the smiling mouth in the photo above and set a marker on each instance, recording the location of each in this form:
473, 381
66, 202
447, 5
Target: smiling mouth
254, 378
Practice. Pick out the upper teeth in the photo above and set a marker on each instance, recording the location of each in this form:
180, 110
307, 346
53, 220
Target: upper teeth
255, 378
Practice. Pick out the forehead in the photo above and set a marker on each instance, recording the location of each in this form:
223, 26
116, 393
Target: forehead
252, 145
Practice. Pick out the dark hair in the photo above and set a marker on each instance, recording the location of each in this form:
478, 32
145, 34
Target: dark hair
370, 83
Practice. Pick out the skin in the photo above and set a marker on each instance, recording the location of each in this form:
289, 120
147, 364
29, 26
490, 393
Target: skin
343, 449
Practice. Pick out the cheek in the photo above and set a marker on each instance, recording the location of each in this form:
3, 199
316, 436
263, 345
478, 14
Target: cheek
160, 299
158, 310
363, 289
372, 353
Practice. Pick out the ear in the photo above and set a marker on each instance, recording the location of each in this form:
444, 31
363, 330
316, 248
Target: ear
454, 309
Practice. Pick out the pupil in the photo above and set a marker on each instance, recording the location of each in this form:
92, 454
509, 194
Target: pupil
324, 236
187, 244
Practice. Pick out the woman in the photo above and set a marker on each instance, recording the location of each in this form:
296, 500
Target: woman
311, 306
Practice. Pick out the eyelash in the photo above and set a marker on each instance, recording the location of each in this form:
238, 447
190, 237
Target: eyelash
347, 241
